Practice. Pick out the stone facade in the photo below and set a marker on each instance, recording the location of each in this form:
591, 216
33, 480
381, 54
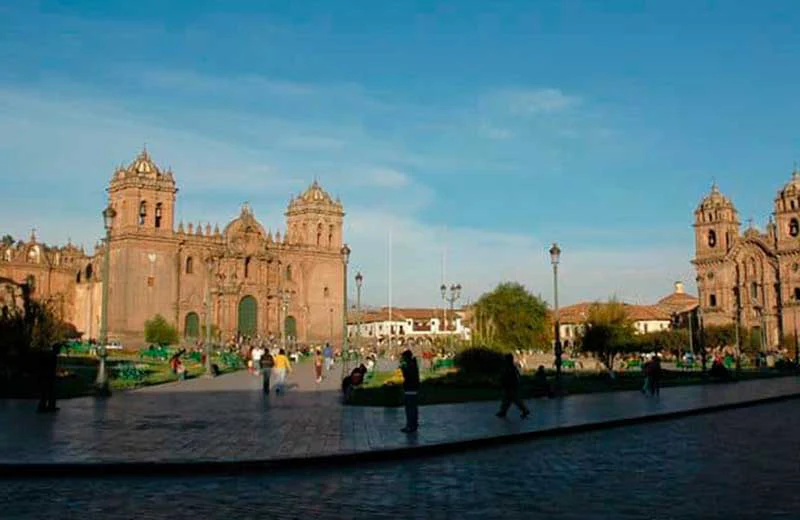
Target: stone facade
753, 276
239, 274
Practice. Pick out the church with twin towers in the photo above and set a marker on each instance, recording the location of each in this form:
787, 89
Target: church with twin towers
247, 280
750, 276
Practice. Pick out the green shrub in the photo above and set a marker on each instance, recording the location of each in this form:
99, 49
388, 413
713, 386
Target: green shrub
159, 331
479, 360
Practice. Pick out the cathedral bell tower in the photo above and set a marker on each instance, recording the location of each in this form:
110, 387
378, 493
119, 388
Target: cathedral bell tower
144, 197
787, 215
716, 226
315, 219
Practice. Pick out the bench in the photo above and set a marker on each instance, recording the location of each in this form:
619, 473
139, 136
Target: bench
568, 363
161, 353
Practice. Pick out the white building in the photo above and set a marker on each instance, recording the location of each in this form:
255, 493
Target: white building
407, 323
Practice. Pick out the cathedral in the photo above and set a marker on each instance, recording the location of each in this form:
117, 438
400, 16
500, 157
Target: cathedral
751, 277
244, 279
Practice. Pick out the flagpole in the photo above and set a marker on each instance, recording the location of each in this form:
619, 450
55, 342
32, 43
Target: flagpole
391, 350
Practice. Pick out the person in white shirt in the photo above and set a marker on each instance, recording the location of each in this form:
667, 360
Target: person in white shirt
257, 353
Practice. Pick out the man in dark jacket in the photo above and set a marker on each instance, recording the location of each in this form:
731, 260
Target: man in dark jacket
48, 366
408, 365
509, 380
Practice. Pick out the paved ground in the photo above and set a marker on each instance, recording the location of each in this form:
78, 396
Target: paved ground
739, 464
229, 419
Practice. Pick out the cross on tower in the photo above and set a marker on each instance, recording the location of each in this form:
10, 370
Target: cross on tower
750, 223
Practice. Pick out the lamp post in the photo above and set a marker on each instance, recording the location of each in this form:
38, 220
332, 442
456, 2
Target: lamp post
101, 384
794, 319
451, 298
210, 269
555, 257
359, 281
345, 260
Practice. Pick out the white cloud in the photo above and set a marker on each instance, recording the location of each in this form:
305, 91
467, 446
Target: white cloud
521, 101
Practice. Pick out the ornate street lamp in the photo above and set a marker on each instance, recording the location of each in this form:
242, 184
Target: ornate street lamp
101, 384
286, 296
345, 260
555, 258
451, 298
359, 281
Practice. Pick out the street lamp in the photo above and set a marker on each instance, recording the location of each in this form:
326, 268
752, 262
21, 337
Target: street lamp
794, 319
210, 267
451, 298
359, 281
345, 260
101, 384
555, 257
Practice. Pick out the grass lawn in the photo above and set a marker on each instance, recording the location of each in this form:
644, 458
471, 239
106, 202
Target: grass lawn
77, 374
453, 387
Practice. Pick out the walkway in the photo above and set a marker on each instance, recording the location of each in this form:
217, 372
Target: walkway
227, 419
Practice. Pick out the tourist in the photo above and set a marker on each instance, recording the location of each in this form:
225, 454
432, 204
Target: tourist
540, 385
282, 368
647, 369
655, 375
327, 353
48, 366
257, 353
267, 364
509, 380
318, 365
408, 365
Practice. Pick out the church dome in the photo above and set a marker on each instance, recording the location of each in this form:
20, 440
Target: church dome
245, 223
715, 200
791, 188
142, 166
315, 196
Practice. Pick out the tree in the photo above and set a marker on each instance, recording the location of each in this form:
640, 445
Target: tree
717, 336
672, 340
608, 332
157, 330
7, 240
510, 318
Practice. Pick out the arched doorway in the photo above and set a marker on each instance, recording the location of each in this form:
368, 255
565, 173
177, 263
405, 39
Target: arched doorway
248, 316
191, 326
290, 327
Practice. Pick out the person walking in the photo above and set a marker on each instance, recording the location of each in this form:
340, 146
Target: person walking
318, 365
647, 368
509, 380
267, 364
47, 368
282, 368
655, 375
257, 353
327, 353
410, 370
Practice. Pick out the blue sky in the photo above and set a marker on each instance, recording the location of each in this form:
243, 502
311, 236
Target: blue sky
491, 129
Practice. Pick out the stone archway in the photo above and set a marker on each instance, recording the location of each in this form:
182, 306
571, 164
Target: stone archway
248, 316
191, 325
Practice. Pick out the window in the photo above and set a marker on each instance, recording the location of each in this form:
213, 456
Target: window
793, 204
189, 265
247, 267
89, 272
712, 238
326, 292
289, 272
754, 290
797, 294
712, 300
142, 212
794, 227
319, 234
330, 235
78, 277
158, 215
645, 328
